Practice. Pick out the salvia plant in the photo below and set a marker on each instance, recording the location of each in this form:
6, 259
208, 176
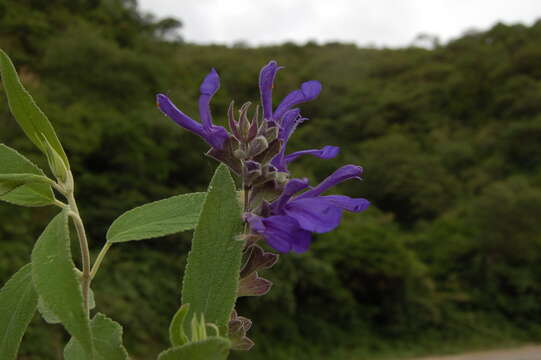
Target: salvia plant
236, 230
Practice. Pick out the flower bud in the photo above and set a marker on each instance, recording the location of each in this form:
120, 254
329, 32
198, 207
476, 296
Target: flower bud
240, 154
281, 177
244, 123
56, 164
272, 133
257, 146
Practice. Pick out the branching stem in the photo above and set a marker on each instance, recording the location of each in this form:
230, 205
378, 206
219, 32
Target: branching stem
83, 241
99, 259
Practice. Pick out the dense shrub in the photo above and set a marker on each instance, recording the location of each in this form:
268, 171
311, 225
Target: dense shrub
449, 139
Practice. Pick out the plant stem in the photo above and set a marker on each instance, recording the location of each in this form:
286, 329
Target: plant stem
99, 259
83, 244
245, 187
59, 203
245, 190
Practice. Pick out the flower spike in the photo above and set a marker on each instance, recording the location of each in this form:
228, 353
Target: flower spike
282, 211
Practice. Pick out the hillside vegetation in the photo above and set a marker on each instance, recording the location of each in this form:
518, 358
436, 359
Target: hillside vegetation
450, 140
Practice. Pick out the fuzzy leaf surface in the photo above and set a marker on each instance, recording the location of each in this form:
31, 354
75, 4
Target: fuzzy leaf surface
211, 278
213, 348
22, 182
18, 301
50, 317
9, 182
107, 341
159, 218
29, 116
57, 283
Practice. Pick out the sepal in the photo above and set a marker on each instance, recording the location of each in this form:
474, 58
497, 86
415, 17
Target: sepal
238, 327
227, 156
258, 259
254, 285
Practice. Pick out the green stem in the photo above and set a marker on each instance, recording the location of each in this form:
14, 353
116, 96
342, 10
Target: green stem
59, 203
83, 241
99, 259
245, 191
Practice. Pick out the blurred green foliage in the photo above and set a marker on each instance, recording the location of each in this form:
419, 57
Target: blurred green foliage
449, 139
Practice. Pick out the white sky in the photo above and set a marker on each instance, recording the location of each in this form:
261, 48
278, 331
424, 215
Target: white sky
375, 22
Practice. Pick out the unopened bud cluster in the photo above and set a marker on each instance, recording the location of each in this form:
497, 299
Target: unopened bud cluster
249, 151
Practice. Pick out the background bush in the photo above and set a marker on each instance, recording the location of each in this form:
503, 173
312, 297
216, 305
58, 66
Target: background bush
449, 139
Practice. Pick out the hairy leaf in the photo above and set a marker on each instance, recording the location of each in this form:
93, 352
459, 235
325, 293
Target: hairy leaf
213, 348
18, 301
22, 182
159, 218
10, 182
107, 341
50, 317
29, 116
211, 279
57, 283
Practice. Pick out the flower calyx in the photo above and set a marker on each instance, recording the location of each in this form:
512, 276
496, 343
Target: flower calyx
238, 327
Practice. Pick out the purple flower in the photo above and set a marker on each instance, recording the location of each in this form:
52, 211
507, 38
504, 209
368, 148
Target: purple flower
292, 219
283, 233
266, 83
309, 91
214, 135
290, 121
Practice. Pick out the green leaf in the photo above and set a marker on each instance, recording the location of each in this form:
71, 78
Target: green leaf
107, 339
10, 182
176, 328
212, 273
56, 280
46, 313
159, 218
18, 301
213, 348
14, 168
50, 317
29, 116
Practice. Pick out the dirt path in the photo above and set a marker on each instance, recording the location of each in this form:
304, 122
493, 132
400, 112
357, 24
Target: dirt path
523, 353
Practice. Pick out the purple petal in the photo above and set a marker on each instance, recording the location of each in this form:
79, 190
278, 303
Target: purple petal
278, 162
210, 84
347, 203
169, 109
255, 222
302, 242
308, 91
283, 233
326, 152
289, 123
344, 173
208, 88
266, 83
216, 136
252, 165
314, 214
293, 186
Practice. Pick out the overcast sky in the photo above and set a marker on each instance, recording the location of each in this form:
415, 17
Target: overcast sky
376, 22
